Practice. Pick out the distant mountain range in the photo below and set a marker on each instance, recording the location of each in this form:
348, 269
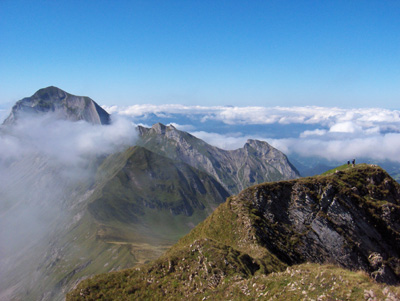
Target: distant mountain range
127, 207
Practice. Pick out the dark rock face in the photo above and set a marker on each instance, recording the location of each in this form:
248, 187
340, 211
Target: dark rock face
62, 104
350, 218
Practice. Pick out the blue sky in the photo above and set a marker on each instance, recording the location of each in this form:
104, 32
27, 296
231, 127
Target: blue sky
262, 53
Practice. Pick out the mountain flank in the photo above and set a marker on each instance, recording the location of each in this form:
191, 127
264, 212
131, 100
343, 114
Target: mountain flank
255, 163
62, 104
290, 239
164, 196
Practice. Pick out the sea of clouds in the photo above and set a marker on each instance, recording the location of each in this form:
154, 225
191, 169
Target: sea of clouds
328, 132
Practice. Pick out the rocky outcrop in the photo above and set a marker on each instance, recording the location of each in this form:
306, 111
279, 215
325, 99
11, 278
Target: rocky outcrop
349, 218
255, 163
62, 104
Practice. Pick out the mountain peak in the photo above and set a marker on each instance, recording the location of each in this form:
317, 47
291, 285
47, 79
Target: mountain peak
62, 104
50, 93
160, 128
257, 144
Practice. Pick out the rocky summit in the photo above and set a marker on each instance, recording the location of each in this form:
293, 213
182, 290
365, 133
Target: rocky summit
62, 104
334, 236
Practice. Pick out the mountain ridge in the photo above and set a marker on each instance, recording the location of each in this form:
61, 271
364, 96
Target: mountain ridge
349, 218
254, 163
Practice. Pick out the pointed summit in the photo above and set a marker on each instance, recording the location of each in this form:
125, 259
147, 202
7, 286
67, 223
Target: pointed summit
62, 104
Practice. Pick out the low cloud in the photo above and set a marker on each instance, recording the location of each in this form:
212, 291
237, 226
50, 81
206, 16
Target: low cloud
345, 127
183, 127
42, 161
64, 141
224, 141
376, 147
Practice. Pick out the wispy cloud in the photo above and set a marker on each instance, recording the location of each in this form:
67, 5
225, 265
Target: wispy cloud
64, 141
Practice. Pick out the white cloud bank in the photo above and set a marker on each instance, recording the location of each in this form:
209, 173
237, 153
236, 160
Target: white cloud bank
338, 134
64, 141
376, 147
379, 147
324, 116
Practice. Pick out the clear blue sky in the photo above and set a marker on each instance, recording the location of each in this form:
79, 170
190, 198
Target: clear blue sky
326, 53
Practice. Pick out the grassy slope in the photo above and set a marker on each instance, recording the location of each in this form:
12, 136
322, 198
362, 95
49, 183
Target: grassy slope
164, 197
216, 272
339, 168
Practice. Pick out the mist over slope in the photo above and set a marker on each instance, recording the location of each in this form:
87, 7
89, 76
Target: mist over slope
46, 165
